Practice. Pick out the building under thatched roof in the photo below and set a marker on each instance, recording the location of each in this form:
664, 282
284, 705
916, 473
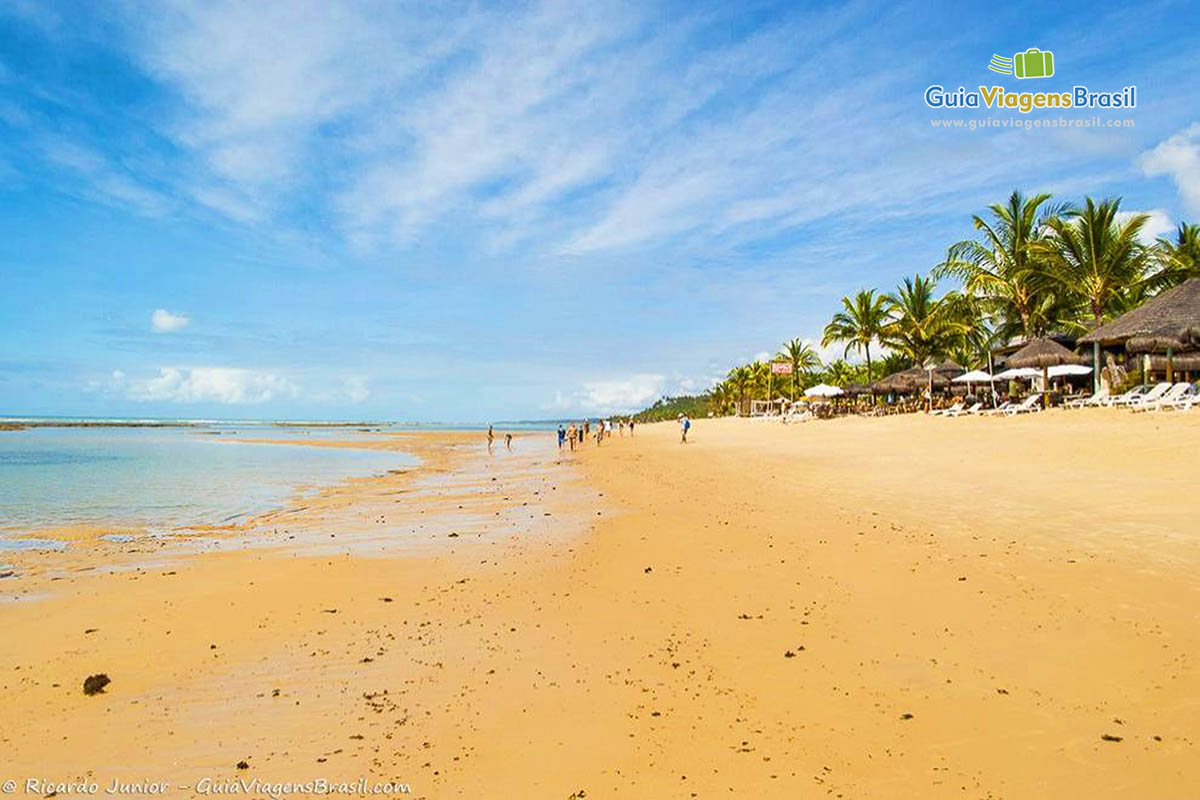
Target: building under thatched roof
1043, 353
913, 380
1169, 319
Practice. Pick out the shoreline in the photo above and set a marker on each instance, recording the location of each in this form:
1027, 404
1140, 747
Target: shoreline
871, 607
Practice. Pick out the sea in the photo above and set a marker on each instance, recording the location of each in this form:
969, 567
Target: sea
158, 474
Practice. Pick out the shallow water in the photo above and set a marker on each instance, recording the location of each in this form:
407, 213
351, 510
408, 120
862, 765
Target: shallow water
165, 477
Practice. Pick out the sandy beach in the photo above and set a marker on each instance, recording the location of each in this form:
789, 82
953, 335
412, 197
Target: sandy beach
858, 608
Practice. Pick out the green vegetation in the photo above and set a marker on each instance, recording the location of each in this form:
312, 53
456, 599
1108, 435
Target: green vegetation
1036, 268
671, 407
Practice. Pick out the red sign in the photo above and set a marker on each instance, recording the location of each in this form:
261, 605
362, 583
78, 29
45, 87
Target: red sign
781, 367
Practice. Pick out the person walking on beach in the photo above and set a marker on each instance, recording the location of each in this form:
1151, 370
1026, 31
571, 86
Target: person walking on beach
562, 436
631, 427
685, 424
572, 436
508, 442
491, 436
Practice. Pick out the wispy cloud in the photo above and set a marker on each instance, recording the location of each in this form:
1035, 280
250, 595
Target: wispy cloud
1178, 157
163, 321
198, 385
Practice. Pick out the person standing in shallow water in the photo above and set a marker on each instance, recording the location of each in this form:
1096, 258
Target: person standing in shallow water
491, 437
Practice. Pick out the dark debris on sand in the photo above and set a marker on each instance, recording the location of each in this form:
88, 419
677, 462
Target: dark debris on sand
94, 684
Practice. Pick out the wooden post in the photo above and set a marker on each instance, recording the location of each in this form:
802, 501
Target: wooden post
1170, 365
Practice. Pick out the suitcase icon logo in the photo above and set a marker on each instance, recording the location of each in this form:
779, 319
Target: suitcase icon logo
1033, 63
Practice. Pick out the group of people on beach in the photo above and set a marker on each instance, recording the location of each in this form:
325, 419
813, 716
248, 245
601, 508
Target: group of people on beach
575, 435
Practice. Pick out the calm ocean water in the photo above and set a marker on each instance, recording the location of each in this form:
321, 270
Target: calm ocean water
163, 477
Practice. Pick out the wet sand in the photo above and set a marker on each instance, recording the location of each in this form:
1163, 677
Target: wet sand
897, 607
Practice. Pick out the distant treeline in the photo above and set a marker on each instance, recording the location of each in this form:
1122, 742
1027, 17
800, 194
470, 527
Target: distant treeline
672, 407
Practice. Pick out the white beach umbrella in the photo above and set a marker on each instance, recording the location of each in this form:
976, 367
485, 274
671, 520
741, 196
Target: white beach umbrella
823, 390
1017, 372
1069, 369
974, 376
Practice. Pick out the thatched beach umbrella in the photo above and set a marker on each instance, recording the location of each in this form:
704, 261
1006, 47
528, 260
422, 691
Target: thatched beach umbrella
1169, 317
1044, 353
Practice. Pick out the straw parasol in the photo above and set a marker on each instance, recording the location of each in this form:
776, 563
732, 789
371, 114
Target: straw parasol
1167, 322
1044, 353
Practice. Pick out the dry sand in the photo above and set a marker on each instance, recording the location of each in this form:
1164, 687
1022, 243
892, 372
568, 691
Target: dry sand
887, 608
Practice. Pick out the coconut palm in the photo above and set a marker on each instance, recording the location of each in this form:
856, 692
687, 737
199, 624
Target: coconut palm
718, 399
1179, 259
1005, 268
802, 358
739, 381
923, 327
1096, 258
859, 323
839, 373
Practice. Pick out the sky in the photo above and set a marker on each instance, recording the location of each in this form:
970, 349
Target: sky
486, 211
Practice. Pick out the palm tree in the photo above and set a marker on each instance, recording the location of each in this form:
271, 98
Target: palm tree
1005, 270
1098, 259
923, 327
760, 378
802, 358
739, 380
1178, 259
839, 373
718, 399
860, 323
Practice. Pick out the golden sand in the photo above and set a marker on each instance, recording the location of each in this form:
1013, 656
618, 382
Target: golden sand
879, 608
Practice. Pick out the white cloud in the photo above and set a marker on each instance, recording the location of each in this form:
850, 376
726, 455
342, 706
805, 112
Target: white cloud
624, 394
223, 385
163, 321
1178, 157
1157, 225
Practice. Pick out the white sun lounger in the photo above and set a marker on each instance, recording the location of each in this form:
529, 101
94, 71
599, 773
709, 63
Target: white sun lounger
1128, 397
1147, 401
1184, 402
949, 412
963, 412
1031, 405
1098, 399
1000, 409
1169, 397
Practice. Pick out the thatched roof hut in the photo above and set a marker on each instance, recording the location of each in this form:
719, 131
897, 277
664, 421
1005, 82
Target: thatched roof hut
1168, 318
1043, 353
1189, 362
913, 380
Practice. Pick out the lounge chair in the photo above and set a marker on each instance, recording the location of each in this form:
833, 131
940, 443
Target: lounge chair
1031, 405
1000, 409
953, 410
962, 412
1147, 400
1098, 399
1128, 397
1169, 397
1184, 402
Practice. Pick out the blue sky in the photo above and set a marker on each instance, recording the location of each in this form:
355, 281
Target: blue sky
485, 211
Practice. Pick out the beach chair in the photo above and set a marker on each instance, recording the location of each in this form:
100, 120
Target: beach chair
1146, 401
1000, 409
1184, 402
1030, 405
1128, 397
1170, 396
1098, 399
952, 411
963, 412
